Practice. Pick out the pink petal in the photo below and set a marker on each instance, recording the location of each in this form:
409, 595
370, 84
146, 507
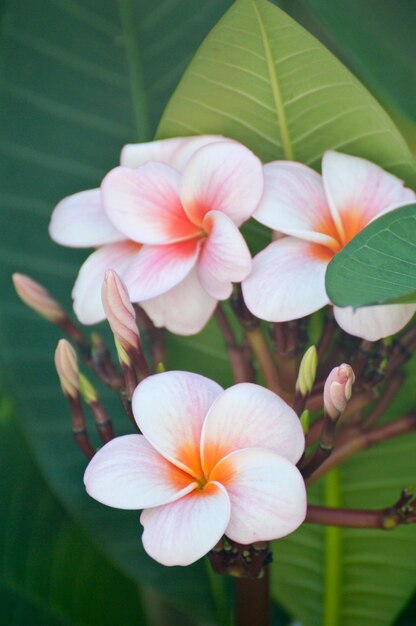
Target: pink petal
359, 191
182, 532
225, 257
287, 281
175, 152
159, 268
127, 473
87, 289
79, 221
267, 494
170, 409
294, 203
224, 176
250, 416
184, 310
374, 322
144, 204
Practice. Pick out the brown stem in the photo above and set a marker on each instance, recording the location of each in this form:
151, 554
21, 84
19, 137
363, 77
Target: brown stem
324, 449
402, 512
79, 429
155, 337
327, 335
102, 421
252, 601
378, 411
265, 360
240, 364
364, 352
362, 440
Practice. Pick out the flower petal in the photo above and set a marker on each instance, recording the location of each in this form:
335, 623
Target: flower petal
225, 257
159, 268
182, 532
287, 281
249, 416
170, 409
224, 176
128, 473
267, 494
87, 289
359, 191
144, 204
374, 322
294, 203
175, 152
79, 221
184, 309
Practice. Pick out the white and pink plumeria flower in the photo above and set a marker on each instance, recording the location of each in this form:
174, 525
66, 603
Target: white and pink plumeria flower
167, 221
209, 462
319, 215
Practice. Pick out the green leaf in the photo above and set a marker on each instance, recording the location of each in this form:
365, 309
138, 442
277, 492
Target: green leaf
374, 568
50, 572
375, 38
79, 79
262, 79
379, 264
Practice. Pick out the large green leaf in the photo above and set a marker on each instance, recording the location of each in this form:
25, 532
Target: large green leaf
79, 79
379, 264
375, 38
50, 573
262, 79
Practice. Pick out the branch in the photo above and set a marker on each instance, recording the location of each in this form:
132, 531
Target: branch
363, 440
403, 512
240, 363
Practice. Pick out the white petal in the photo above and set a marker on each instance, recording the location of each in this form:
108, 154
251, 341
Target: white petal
224, 176
225, 257
294, 203
184, 310
144, 204
159, 268
87, 289
267, 494
249, 416
374, 322
287, 281
170, 409
175, 152
79, 221
358, 191
182, 532
128, 473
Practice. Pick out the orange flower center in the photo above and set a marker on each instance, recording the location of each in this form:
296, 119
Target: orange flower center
351, 223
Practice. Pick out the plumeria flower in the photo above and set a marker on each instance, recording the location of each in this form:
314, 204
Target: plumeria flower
167, 221
320, 215
209, 462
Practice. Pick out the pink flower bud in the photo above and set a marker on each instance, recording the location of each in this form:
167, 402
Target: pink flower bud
67, 367
338, 390
120, 312
37, 298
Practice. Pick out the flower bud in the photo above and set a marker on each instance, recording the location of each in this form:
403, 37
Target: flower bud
87, 391
37, 298
120, 312
338, 390
67, 367
307, 371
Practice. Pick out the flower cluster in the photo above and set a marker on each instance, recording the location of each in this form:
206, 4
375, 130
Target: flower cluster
209, 463
167, 220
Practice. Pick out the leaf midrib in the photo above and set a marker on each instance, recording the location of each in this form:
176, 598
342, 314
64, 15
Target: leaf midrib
276, 91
